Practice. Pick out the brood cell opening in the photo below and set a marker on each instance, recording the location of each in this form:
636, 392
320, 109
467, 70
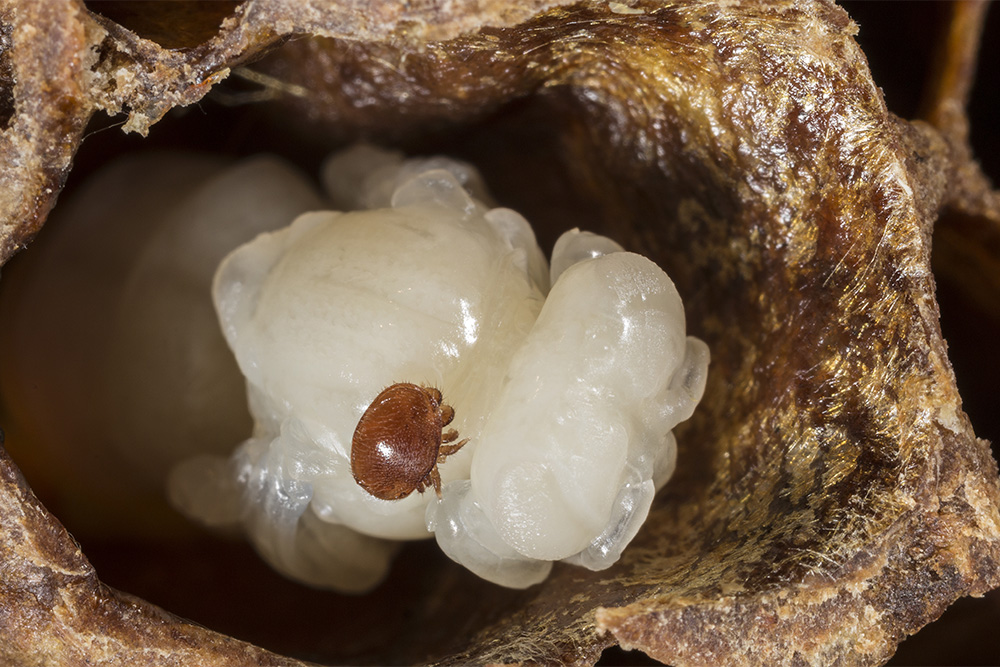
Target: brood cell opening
114, 547
749, 524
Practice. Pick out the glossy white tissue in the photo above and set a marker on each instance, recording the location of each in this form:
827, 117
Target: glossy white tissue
567, 397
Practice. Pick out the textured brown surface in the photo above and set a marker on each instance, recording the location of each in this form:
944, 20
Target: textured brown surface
831, 498
44, 105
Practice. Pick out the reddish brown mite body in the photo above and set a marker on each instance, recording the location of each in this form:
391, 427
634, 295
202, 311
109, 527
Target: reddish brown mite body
398, 443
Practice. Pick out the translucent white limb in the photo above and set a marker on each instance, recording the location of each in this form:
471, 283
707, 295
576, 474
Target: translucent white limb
365, 177
628, 513
575, 246
283, 528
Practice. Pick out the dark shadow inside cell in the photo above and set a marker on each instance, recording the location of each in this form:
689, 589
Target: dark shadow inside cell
7, 78
616, 656
173, 24
897, 39
984, 102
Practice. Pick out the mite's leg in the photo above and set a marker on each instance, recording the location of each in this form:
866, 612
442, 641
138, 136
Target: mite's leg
436, 481
448, 450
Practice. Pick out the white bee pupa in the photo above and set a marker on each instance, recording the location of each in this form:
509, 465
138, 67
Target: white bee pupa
566, 396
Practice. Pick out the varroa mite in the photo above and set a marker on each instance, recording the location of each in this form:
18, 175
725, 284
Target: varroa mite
399, 443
